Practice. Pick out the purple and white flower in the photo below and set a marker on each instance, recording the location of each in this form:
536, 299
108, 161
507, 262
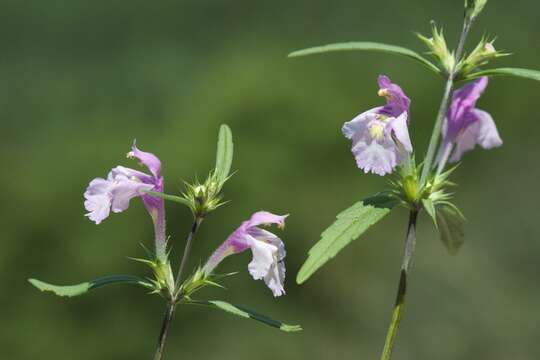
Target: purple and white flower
380, 136
267, 249
123, 184
465, 125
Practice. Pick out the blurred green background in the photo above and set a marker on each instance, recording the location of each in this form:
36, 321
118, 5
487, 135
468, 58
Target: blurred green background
81, 80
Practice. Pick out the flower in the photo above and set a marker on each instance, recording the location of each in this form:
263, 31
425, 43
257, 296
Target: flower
380, 136
465, 125
122, 185
267, 249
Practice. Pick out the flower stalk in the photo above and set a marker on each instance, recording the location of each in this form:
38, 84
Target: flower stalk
445, 103
410, 242
176, 295
187, 250
427, 168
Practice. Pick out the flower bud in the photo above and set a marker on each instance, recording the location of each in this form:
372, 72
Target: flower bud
205, 197
473, 8
438, 48
482, 54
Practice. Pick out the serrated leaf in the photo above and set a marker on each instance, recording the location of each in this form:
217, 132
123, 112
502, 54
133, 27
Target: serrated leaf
430, 209
82, 288
517, 72
450, 228
367, 46
350, 224
174, 198
246, 313
224, 155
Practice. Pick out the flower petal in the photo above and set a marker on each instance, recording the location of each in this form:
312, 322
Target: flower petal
275, 278
397, 102
375, 157
127, 173
487, 134
98, 207
264, 218
358, 127
149, 160
263, 258
124, 191
401, 131
482, 132
98, 199
463, 101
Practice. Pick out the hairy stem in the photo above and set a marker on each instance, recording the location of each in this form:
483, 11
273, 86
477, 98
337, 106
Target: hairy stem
410, 242
443, 109
165, 325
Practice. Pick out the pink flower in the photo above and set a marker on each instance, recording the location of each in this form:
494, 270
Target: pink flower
123, 184
380, 136
267, 249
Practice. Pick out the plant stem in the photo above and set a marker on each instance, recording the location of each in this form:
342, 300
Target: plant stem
410, 242
166, 324
171, 307
443, 109
189, 241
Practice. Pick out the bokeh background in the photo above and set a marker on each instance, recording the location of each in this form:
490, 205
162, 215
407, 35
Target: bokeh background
82, 79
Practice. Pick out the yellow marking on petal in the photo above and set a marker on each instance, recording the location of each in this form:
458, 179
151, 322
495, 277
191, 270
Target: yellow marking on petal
376, 131
384, 92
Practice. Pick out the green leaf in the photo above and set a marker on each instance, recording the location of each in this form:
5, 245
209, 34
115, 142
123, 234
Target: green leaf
517, 72
82, 288
246, 313
350, 224
174, 198
450, 227
224, 155
430, 209
367, 46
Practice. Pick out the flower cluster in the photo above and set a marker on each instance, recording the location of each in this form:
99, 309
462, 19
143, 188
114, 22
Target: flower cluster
123, 184
380, 136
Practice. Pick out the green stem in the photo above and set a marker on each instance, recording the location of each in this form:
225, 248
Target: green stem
445, 102
165, 326
169, 313
189, 241
410, 242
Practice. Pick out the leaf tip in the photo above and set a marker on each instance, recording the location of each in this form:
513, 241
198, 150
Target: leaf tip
293, 54
290, 328
40, 285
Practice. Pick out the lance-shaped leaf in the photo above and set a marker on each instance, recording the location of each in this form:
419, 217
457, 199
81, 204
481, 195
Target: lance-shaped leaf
350, 224
516, 72
224, 155
368, 46
82, 288
246, 313
450, 225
